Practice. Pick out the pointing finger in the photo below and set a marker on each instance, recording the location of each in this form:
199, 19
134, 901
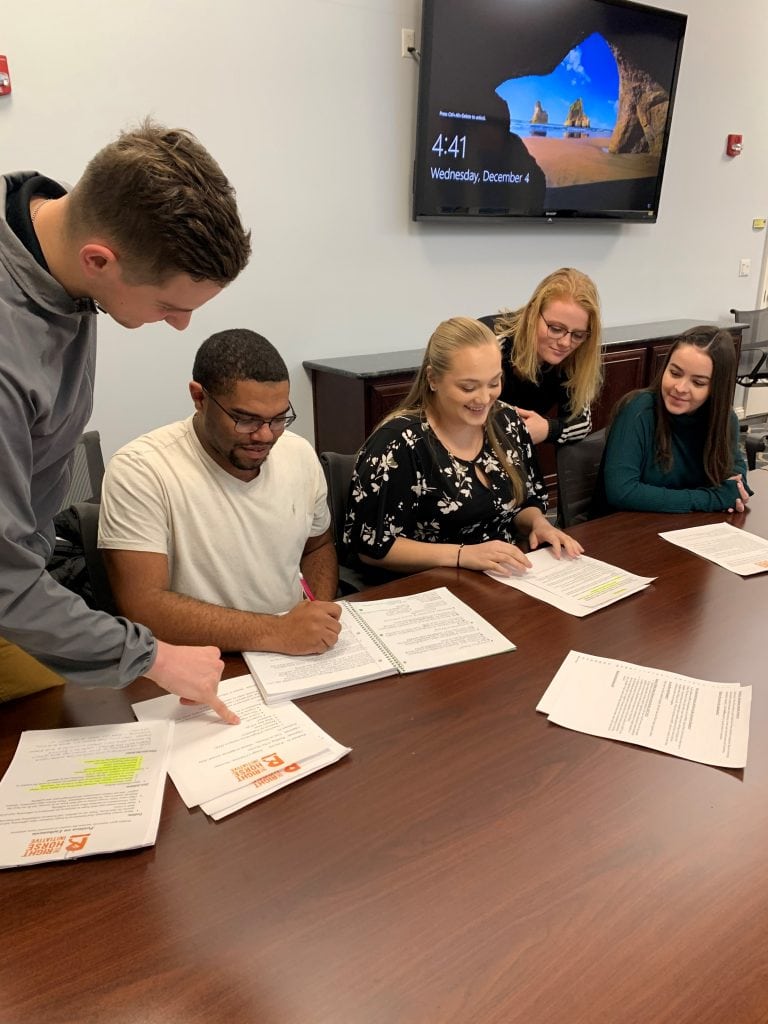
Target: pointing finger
223, 711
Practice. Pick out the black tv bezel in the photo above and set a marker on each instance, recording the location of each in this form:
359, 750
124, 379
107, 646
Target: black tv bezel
546, 216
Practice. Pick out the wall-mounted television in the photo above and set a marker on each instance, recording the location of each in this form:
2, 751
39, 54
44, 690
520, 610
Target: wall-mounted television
546, 109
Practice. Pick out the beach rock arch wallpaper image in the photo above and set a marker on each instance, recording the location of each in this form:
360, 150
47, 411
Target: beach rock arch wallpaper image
596, 117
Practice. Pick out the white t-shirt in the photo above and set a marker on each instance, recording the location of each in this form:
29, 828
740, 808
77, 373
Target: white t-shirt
228, 542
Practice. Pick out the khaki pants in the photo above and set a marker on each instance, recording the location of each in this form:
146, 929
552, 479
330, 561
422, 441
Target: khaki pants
21, 674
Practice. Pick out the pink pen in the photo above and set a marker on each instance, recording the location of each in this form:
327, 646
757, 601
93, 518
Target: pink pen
305, 587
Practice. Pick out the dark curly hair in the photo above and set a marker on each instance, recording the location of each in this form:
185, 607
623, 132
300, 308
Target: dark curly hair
234, 355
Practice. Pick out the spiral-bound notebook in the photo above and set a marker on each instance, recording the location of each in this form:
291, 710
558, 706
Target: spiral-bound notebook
382, 638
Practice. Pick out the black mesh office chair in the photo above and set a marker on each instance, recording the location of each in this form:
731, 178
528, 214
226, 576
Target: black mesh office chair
753, 373
578, 465
338, 471
76, 562
87, 470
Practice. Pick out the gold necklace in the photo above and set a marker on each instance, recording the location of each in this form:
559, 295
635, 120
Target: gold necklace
441, 438
38, 208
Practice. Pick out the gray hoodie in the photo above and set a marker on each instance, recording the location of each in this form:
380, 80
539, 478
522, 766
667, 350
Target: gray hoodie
47, 364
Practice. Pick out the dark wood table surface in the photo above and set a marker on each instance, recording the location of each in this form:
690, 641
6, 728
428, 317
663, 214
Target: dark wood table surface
468, 862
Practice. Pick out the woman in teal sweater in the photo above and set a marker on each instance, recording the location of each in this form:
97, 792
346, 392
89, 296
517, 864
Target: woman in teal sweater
674, 447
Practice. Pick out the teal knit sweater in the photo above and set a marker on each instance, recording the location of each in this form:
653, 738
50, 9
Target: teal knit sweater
631, 478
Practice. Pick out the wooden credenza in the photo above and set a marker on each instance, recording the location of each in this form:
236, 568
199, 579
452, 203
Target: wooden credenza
352, 393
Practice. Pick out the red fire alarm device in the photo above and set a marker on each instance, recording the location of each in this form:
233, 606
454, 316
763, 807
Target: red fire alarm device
5, 77
733, 145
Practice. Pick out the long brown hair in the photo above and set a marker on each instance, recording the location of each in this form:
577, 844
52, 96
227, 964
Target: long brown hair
583, 368
448, 338
719, 441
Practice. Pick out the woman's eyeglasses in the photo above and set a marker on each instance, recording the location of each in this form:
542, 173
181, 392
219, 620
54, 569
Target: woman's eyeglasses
557, 332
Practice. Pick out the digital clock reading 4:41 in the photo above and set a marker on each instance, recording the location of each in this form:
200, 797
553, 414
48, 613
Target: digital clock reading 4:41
447, 146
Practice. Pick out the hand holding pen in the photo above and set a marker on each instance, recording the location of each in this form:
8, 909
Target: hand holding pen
311, 627
305, 587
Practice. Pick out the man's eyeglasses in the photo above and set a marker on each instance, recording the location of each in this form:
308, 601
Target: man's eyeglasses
556, 332
252, 424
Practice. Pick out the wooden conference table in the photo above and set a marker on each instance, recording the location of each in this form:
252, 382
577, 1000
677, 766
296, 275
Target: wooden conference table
468, 862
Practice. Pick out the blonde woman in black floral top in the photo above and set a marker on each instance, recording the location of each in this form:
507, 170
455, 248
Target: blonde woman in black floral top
451, 477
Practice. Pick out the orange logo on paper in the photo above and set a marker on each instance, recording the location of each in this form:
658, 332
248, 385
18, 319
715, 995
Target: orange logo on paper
42, 846
77, 842
254, 769
273, 761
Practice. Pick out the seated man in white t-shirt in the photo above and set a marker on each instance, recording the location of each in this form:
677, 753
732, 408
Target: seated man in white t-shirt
206, 524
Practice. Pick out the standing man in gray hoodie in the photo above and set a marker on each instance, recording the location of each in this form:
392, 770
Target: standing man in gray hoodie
150, 232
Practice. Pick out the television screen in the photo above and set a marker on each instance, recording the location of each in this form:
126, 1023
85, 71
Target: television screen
547, 109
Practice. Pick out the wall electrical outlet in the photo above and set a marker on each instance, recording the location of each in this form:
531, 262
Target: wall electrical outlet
744, 267
407, 39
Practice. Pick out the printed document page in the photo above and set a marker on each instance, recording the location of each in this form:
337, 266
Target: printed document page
740, 552
210, 759
382, 638
267, 784
691, 718
355, 658
578, 586
78, 792
431, 629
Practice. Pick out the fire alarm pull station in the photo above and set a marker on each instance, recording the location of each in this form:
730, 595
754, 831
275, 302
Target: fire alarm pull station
5, 77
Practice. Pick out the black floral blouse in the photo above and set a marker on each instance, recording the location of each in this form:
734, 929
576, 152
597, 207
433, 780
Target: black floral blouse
406, 484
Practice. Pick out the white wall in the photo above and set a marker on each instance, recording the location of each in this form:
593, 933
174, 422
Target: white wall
310, 110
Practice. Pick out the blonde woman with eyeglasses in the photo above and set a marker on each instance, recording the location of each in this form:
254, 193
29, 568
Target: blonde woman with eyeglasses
551, 356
